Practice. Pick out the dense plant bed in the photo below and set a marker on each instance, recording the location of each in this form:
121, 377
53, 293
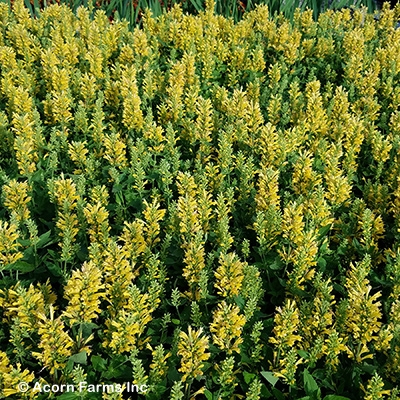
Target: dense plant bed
197, 208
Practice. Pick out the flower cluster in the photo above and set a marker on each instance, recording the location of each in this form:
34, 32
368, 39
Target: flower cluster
196, 205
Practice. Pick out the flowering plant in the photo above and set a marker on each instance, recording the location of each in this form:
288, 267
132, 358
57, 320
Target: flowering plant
200, 208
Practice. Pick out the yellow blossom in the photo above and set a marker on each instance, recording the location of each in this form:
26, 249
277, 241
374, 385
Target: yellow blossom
227, 327
192, 347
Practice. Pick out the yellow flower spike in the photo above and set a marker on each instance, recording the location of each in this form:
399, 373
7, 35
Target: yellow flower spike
192, 347
28, 305
152, 215
226, 375
338, 186
97, 217
84, 292
293, 223
374, 388
385, 337
188, 213
99, 194
227, 327
288, 367
363, 310
229, 275
17, 198
119, 273
186, 184
115, 150
194, 260
9, 245
268, 189
132, 115
303, 258
304, 177
78, 152
205, 204
65, 193
334, 346
268, 144
67, 224
124, 329
158, 367
316, 118
55, 343
204, 126
133, 238
286, 324
11, 377
126, 325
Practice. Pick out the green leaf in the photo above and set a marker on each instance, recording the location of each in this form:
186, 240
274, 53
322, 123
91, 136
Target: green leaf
54, 269
248, 377
44, 240
339, 288
335, 397
270, 377
21, 266
265, 393
79, 358
240, 302
197, 5
87, 328
68, 396
322, 263
24, 242
176, 321
208, 394
368, 368
278, 394
276, 266
310, 386
98, 363
303, 354
323, 231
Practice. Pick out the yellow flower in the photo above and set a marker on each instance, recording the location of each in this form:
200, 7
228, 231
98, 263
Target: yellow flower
229, 275
334, 345
192, 348
152, 215
65, 194
268, 189
8, 243
158, 367
119, 273
194, 260
286, 324
374, 388
28, 304
115, 150
17, 199
227, 327
55, 343
363, 311
133, 238
126, 325
97, 217
78, 153
83, 291
304, 177
10, 377
293, 224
